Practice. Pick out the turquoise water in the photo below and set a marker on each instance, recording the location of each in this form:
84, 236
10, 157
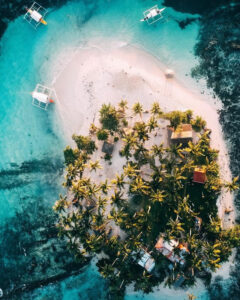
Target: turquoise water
29, 134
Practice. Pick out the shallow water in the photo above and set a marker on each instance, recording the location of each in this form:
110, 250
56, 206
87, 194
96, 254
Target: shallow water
29, 134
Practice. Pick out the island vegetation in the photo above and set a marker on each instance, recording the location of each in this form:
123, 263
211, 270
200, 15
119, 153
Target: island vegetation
151, 222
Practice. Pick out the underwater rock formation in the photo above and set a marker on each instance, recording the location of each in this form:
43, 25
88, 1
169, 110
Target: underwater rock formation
196, 7
35, 255
219, 51
18, 175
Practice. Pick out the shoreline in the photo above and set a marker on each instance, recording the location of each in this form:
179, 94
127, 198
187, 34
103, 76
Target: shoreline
97, 75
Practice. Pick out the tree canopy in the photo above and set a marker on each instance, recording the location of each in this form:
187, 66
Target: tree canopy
152, 195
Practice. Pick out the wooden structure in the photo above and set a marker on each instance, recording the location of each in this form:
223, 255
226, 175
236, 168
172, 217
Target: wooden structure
182, 135
153, 15
35, 15
167, 248
147, 262
199, 175
107, 147
42, 96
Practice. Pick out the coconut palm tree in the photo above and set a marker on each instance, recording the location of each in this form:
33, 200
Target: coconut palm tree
117, 199
175, 227
94, 165
109, 117
105, 187
152, 124
157, 150
130, 170
176, 151
119, 181
137, 109
61, 205
233, 185
141, 130
93, 129
139, 186
130, 142
156, 110
158, 196
123, 105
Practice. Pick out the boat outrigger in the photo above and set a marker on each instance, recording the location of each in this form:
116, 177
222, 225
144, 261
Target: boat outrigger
35, 15
153, 15
42, 96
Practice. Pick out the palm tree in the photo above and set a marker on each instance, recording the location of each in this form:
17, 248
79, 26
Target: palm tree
117, 198
141, 130
108, 117
176, 150
61, 204
119, 181
152, 124
139, 186
94, 165
105, 187
156, 110
175, 226
158, 196
123, 105
130, 140
93, 128
137, 109
130, 170
157, 150
233, 185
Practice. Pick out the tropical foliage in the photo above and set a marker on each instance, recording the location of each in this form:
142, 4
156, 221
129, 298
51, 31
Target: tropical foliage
153, 194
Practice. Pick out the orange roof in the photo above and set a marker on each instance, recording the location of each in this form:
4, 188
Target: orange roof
186, 127
184, 131
199, 175
159, 244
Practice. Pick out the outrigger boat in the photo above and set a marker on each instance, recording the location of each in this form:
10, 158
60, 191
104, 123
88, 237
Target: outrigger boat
153, 15
35, 15
42, 96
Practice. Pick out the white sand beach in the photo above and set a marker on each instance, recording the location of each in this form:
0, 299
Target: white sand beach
108, 74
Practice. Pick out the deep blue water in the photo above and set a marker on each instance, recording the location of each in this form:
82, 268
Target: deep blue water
29, 135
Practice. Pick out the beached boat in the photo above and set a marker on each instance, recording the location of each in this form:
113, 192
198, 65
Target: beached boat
35, 15
153, 15
42, 96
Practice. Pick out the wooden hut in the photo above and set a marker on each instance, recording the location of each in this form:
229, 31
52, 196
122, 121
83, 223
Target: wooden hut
182, 135
199, 175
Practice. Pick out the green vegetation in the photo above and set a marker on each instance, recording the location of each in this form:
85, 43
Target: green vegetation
102, 135
109, 117
152, 196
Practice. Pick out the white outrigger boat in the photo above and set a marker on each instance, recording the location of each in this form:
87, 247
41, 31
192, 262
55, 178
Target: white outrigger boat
35, 15
153, 15
42, 96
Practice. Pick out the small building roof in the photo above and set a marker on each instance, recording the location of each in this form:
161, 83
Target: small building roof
184, 131
165, 244
199, 175
147, 262
167, 249
107, 147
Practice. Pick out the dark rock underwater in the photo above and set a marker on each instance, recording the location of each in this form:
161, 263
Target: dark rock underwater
218, 48
35, 256
219, 51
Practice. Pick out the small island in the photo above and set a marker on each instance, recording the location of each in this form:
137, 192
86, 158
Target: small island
142, 192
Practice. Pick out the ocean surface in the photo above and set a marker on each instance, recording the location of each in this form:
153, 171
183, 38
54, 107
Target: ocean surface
32, 140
